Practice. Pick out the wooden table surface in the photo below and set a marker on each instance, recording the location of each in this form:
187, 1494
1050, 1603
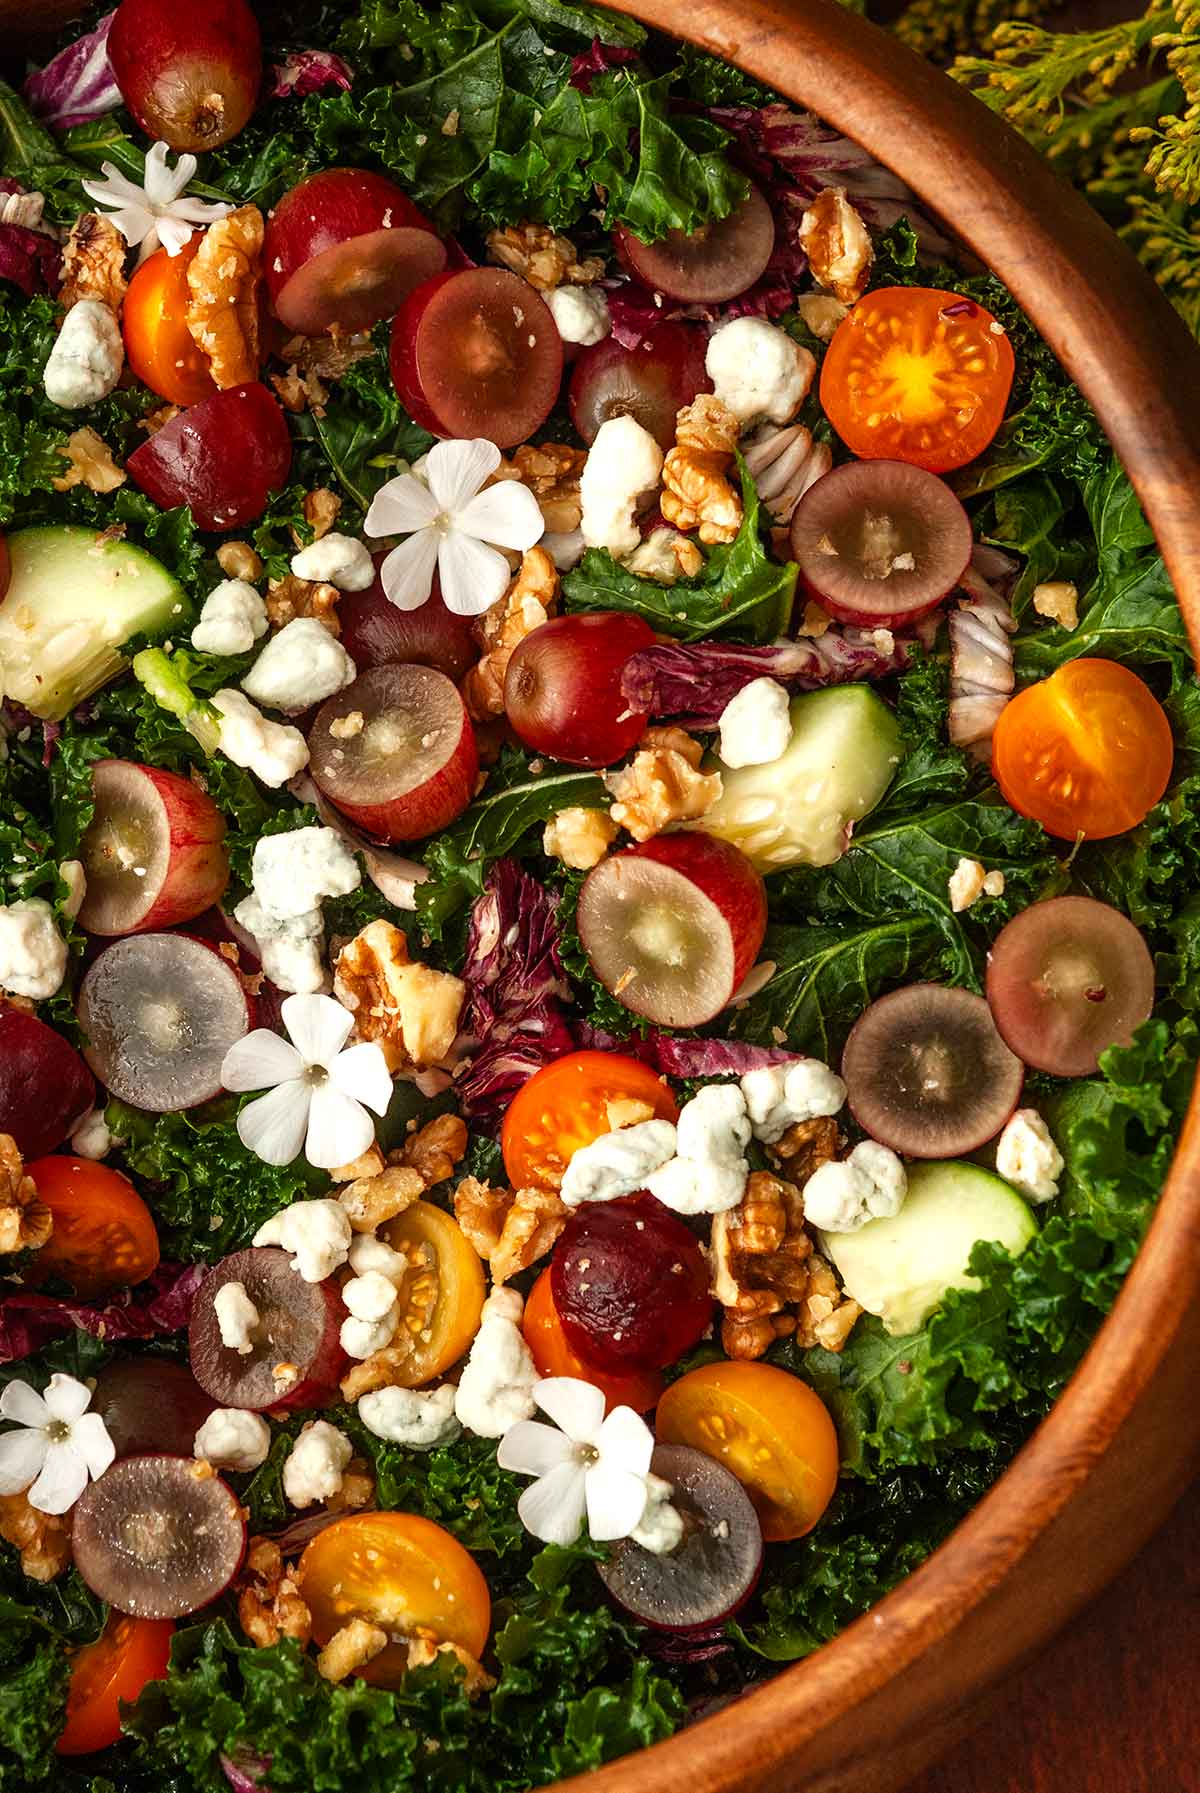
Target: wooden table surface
1114, 1706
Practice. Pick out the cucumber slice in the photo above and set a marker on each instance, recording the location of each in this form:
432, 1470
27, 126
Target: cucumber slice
901, 1267
73, 601
800, 808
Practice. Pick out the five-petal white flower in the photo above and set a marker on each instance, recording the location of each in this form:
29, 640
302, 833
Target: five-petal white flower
590, 1465
156, 212
455, 524
317, 1089
59, 1444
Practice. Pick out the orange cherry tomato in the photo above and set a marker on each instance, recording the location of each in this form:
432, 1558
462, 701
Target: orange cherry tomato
554, 1356
104, 1237
768, 1428
398, 1572
915, 374
127, 1654
1086, 752
566, 1105
158, 343
441, 1294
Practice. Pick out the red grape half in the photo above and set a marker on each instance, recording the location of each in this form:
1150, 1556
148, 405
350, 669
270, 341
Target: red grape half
297, 1355
158, 1536
716, 262
562, 690
650, 383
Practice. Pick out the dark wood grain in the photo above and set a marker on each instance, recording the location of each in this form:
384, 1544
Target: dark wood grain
1112, 1706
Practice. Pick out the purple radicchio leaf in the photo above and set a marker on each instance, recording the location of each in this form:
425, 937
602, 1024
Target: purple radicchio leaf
244, 1771
78, 84
308, 71
160, 1305
695, 682
515, 984
29, 258
598, 61
675, 1057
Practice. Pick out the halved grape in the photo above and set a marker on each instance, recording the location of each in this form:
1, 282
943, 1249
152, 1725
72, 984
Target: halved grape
158, 1536
562, 690
650, 383
376, 631
713, 1571
880, 541
45, 1087
154, 852
296, 1356
150, 1404
158, 1013
630, 1285
927, 1073
395, 752
716, 262
1066, 979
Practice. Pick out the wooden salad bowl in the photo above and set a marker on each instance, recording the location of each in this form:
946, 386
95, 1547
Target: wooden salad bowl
889, 1695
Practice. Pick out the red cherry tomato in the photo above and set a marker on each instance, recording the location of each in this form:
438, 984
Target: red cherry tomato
158, 344
1086, 752
555, 1357
127, 1654
916, 374
567, 1104
104, 1237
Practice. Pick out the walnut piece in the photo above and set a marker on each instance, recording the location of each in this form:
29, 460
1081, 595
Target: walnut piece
424, 1649
767, 1277
825, 1317
370, 1164
822, 313
408, 1009
420, 1291
93, 263
525, 606
321, 510
357, 1490
665, 556
552, 472
579, 837
43, 1539
25, 1222
269, 1603
237, 560
289, 597
90, 463
1059, 600
434, 1149
696, 492
351, 1648
837, 244
805, 1147
510, 1229
662, 784
541, 257
371, 1201
223, 280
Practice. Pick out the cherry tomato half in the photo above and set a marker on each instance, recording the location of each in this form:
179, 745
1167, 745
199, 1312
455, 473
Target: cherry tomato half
398, 1572
554, 1356
566, 1105
127, 1654
1086, 752
158, 343
104, 1237
441, 1295
768, 1428
919, 375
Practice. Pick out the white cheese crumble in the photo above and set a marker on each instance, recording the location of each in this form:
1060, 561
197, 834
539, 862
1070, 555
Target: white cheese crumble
314, 1467
581, 313
88, 354
621, 471
271, 750
33, 954
708, 1173
618, 1163
300, 666
778, 1096
316, 1232
233, 617
756, 725
410, 1417
336, 560
233, 1438
91, 1138
1027, 1157
842, 1196
758, 371
292, 874
660, 1528
495, 1389
237, 1318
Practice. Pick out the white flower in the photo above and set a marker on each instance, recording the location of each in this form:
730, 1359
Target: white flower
60, 1444
450, 522
317, 1089
155, 212
590, 1465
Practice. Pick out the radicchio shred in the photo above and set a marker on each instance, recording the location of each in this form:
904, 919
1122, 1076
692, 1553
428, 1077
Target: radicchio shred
76, 85
160, 1305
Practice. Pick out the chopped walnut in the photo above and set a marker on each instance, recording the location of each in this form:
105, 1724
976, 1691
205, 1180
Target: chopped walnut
270, 1605
223, 285
805, 1147
321, 511
369, 1165
371, 1201
579, 837
662, 784
665, 556
767, 1277
525, 606
552, 472
815, 622
409, 1009
424, 1649
420, 1292
434, 1149
25, 1222
837, 244
326, 358
237, 560
93, 263
289, 597
154, 421
350, 1649
43, 1539
357, 1490
626, 1111
541, 257
510, 1229
1059, 600
90, 463
696, 491
822, 313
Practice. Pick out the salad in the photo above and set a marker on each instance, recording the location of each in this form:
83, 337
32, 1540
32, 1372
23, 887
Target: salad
599, 828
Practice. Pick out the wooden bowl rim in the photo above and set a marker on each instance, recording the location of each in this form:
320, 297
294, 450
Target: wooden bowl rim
1044, 241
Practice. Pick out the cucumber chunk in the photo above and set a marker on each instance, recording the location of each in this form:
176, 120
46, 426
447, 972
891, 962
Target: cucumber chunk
900, 1268
74, 599
800, 808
